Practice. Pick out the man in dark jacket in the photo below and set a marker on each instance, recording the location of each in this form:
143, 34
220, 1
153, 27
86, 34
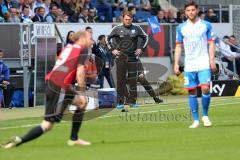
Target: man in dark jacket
127, 41
105, 56
5, 79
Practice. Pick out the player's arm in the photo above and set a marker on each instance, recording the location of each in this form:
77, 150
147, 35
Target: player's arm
177, 55
178, 50
111, 42
212, 55
80, 77
211, 47
142, 42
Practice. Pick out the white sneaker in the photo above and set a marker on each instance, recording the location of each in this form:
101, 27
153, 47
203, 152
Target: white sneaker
12, 143
195, 124
206, 121
78, 142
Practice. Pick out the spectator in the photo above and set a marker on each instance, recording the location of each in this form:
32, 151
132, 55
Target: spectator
5, 72
155, 6
69, 39
39, 16
59, 17
92, 69
30, 4
67, 8
118, 5
106, 57
92, 18
180, 17
201, 15
47, 6
11, 4
171, 17
25, 15
137, 4
77, 5
14, 15
235, 47
211, 16
83, 16
160, 16
38, 3
145, 5
104, 11
89, 4
65, 18
228, 55
51, 16
3, 11
55, 3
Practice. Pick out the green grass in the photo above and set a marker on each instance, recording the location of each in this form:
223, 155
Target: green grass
139, 135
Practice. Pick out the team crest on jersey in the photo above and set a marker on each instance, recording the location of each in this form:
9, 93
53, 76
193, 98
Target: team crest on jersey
133, 31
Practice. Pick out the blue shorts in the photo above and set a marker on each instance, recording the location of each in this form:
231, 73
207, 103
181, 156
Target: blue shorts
198, 78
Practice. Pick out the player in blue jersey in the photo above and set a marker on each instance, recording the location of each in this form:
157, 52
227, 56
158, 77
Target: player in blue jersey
196, 37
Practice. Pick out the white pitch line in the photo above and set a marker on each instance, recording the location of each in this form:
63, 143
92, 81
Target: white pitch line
111, 116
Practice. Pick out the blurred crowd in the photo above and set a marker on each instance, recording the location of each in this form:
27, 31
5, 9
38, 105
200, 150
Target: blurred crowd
89, 11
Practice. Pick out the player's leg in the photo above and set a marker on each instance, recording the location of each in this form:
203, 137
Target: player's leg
143, 81
55, 106
30, 135
81, 102
190, 83
121, 65
132, 81
109, 78
204, 77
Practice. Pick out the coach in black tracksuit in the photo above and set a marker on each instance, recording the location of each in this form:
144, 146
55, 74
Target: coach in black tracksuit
126, 41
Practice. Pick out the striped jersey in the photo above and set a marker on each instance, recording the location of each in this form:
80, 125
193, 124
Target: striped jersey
64, 71
195, 37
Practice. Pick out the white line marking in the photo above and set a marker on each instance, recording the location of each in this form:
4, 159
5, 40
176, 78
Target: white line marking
111, 116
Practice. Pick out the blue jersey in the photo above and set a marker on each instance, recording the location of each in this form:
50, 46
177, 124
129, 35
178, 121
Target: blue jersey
195, 37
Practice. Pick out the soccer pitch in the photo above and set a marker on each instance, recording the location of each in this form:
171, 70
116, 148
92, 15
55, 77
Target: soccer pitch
151, 132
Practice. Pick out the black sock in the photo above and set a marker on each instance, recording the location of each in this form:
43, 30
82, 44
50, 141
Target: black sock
76, 123
32, 134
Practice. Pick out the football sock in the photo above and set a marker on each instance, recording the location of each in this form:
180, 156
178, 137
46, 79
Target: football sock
193, 103
32, 134
205, 103
76, 123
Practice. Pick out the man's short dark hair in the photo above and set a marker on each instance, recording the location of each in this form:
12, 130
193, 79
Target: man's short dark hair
51, 6
1, 50
25, 6
226, 37
191, 3
88, 27
101, 37
127, 13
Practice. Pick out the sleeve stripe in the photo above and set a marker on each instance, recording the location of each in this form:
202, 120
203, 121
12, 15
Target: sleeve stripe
146, 42
179, 42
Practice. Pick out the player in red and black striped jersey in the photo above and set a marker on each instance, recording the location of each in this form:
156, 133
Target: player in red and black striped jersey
59, 92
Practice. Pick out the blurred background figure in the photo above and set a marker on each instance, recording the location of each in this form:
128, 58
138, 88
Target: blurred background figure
211, 16
39, 16
69, 39
161, 17
14, 15
4, 81
105, 56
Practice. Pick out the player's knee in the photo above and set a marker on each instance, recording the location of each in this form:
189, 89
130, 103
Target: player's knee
81, 101
205, 89
192, 92
47, 126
